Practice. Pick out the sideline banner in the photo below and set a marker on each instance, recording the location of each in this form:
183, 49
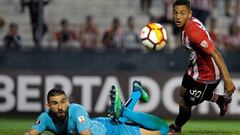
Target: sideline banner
24, 92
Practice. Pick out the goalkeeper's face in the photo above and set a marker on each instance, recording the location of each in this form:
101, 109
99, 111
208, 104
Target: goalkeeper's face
59, 105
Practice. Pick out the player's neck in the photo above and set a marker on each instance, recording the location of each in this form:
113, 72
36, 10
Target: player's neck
185, 25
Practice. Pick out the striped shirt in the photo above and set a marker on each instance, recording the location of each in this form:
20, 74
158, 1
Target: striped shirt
198, 43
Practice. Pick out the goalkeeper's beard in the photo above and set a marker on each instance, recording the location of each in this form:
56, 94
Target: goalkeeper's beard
61, 114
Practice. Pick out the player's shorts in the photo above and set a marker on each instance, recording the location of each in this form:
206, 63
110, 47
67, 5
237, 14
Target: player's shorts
115, 128
195, 90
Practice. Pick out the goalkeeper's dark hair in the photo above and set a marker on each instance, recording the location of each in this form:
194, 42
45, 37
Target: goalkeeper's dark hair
55, 92
182, 2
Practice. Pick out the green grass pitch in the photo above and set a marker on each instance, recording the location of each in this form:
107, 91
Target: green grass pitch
211, 127
17, 126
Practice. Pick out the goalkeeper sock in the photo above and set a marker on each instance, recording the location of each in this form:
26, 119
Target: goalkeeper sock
146, 120
131, 103
133, 100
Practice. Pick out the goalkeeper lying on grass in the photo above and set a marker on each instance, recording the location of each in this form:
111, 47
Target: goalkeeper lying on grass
64, 118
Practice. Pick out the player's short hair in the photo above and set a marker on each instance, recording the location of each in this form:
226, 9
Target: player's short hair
182, 2
55, 92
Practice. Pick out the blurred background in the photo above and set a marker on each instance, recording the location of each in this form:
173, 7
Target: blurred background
85, 46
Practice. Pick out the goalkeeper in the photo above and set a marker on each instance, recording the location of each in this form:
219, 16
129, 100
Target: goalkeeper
63, 118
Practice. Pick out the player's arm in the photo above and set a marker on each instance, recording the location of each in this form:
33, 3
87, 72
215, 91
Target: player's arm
32, 132
149, 132
39, 126
82, 121
228, 83
85, 132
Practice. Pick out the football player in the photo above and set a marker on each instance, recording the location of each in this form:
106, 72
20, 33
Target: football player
206, 68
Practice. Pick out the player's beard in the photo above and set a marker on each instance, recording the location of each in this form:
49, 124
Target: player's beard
61, 114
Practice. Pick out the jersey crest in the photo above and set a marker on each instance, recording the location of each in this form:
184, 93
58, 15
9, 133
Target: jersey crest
204, 44
81, 119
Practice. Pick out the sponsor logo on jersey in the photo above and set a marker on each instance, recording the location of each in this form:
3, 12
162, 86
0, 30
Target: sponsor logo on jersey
204, 44
81, 119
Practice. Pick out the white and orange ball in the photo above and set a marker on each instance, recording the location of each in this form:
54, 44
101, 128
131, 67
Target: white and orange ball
153, 36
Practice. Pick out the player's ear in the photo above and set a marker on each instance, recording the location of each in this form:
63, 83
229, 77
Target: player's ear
68, 101
47, 106
190, 13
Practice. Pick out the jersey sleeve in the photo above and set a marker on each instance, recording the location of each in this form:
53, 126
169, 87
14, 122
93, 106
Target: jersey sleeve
200, 38
82, 119
41, 123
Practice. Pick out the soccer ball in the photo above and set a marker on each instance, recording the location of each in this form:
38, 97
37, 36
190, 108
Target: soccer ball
153, 36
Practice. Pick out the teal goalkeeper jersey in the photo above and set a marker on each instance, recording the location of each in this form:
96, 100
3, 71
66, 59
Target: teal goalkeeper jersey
78, 121
116, 128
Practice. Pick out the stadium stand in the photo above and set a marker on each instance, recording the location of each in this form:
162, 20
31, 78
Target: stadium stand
102, 10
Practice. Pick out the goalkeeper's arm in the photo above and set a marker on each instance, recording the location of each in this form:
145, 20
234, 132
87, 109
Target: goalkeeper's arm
32, 132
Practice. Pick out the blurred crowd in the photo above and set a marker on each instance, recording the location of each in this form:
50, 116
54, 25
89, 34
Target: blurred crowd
124, 36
